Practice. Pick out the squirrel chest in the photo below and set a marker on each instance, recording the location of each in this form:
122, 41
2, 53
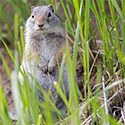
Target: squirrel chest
47, 45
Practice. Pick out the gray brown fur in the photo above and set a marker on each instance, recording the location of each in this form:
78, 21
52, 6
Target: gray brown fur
44, 46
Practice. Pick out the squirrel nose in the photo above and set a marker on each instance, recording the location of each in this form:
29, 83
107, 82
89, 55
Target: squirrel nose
41, 25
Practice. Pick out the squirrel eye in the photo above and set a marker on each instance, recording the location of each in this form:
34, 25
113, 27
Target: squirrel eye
49, 14
32, 16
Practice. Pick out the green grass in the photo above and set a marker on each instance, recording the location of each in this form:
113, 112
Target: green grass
77, 22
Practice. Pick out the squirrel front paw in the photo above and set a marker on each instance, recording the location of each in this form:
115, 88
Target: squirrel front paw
42, 64
51, 64
51, 67
44, 68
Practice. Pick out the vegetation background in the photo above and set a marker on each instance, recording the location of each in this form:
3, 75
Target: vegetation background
96, 30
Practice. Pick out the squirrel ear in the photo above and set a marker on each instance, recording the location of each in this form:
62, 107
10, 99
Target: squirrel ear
51, 7
32, 8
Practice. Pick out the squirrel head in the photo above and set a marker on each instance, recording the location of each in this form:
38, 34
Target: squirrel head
43, 20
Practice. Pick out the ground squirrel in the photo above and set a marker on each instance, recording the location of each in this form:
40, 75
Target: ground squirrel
44, 46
